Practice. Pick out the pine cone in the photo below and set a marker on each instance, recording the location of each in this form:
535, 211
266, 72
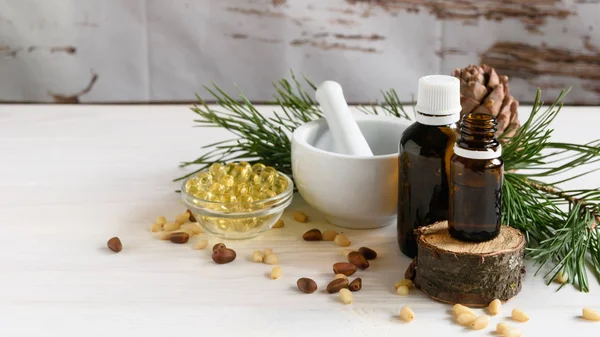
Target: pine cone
482, 90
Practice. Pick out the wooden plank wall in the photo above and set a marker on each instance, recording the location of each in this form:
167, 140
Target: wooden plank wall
165, 50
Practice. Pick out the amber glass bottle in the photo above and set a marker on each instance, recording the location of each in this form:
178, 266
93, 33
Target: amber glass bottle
476, 177
425, 151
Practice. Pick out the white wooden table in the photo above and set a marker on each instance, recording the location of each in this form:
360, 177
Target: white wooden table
71, 177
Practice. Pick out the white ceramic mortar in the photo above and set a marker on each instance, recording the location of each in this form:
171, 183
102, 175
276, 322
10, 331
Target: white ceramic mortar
351, 191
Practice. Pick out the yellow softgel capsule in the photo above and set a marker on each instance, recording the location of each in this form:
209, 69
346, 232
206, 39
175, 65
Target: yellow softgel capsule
226, 180
270, 194
230, 168
215, 169
241, 189
229, 198
257, 191
204, 179
268, 177
191, 186
255, 179
247, 199
217, 188
280, 185
240, 173
245, 165
258, 168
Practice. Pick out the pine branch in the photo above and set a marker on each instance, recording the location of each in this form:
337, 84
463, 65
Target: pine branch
560, 225
573, 201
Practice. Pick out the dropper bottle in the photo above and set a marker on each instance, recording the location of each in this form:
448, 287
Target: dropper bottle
425, 150
476, 177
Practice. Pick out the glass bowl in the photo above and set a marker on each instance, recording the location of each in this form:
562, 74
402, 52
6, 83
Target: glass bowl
238, 220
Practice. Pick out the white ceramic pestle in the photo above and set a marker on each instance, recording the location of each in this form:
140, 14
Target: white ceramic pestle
347, 137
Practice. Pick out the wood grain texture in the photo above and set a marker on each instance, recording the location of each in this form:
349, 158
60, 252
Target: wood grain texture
165, 51
71, 177
469, 273
437, 236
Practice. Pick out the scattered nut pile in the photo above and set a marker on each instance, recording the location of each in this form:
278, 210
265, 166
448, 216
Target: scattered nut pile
184, 227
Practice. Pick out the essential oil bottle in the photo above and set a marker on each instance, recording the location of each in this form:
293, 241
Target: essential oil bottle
425, 150
476, 177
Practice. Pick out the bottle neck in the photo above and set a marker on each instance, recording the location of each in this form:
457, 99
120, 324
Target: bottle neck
437, 120
477, 137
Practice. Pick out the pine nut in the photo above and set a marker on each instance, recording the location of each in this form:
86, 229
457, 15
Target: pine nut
155, 227
337, 284
590, 314
494, 307
345, 252
519, 315
194, 228
480, 322
171, 226
465, 319
407, 314
562, 277
223, 255
114, 244
512, 332
271, 259
313, 235
300, 216
501, 327
180, 237
182, 218
267, 251
202, 244
358, 260
276, 273
306, 285
279, 224
258, 256
337, 276
346, 296
405, 282
368, 253
355, 285
341, 240
161, 220
459, 309
402, 290
164, 235
329, 235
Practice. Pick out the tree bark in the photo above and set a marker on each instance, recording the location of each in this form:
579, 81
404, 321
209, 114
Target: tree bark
470, 273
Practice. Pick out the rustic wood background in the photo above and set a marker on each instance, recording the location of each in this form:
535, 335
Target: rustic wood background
165, 50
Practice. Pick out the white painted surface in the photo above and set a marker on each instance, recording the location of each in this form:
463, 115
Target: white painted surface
72, 177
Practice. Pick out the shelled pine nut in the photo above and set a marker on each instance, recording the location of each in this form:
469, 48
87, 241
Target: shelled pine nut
459, 309
202, 244
480, 322
494, 307
407, 314
346, 296
465, 318
519, 315
590, 314
276, 273
258, 256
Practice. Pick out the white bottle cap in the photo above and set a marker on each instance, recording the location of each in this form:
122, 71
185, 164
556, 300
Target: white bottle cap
438, 100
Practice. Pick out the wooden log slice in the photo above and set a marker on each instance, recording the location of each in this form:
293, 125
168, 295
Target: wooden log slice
470, 273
